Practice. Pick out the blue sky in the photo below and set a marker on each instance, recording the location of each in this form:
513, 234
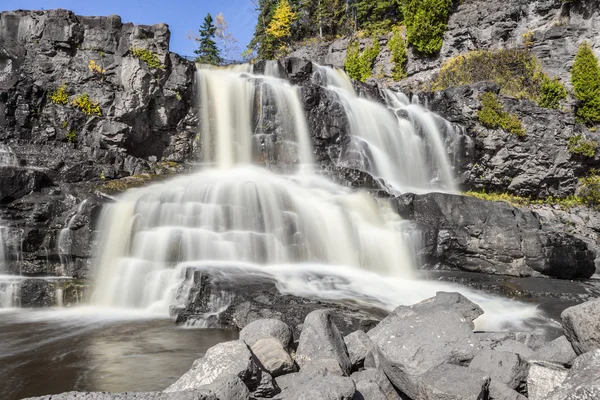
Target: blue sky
180, 15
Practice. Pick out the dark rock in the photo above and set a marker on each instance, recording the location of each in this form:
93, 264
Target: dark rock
501, 366
372, 384
581, 324
321, 340
453, 382
37, 293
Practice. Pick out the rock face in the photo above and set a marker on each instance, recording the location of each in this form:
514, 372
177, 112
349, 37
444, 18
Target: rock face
493, 237
583, 380
581, 324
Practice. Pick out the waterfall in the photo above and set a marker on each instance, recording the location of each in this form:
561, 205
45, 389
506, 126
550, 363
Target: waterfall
402, 142
65, 240
7, 156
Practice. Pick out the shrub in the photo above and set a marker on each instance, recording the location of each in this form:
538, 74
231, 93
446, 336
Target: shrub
492, 115
519, 201
426, 22
71, 136
585, 76
148, 57
359, 66
95, 68
589, 190
60, 96
397, 45
87, 106
579, 145
552, 93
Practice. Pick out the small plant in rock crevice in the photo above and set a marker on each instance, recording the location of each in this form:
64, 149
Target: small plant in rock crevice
580, 145
86, 105
71, 136
60, 96
492, 115
96, 69
149, 57
589, 190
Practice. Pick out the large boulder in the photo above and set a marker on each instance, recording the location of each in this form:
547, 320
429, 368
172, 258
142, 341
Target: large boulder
265, 328
359, 346
372, 384
582, 381
453, 382
224, 359
320, 385
581, 324
321, 340
500, 391
558, 351
273, 356
413, 340
505, 367
542, 378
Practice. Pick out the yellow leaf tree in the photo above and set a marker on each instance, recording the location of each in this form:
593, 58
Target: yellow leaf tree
281, 24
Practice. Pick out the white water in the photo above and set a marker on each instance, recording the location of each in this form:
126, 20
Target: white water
402, 142
65, 240
311, 236
7, 156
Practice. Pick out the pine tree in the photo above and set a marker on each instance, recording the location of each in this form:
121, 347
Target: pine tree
585, 76
208, 52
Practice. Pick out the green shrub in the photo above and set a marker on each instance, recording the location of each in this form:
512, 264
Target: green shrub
519, 201
552, 93
397, 45
585, 76
579, 145
148, 57
359, 66
426, 22
492, 115
71, 136
589, 190
87, 106
60, 96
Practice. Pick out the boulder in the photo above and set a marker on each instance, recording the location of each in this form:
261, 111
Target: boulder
320, 385
224, 359
500, 391
453, 382
358, 345
502, 366
581, 324
265, 328
543, 378
512, 346
372, 384
186, 395
273, 356
413, 340
558, 351
229, 387
583, 380
321, 340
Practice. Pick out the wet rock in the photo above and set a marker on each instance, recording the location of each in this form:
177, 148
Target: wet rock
372, 384
273, 356
558, 351
453, 382
315, 385
265, 328
581, 324
501, 366
582, 381
543, 378
413, 340
358, 345
321, 340
37, 293
229, 358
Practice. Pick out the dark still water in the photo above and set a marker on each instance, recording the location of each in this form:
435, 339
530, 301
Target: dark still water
49, 352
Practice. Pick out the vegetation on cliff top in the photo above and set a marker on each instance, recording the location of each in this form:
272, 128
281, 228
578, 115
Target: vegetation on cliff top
585, 76
359, 66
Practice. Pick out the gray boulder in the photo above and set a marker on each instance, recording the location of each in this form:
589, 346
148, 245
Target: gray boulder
500, 391
187, 395
558, 351
543, 378
501, 366
532, 341
582, 381
512, 346
320, 340
359, 346
316, 385
581, 324
224, 359
265, 328
273, 356
453, 382
412, 341
229, 387
372, 384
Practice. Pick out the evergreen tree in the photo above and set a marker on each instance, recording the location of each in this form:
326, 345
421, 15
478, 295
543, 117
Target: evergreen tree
208, 52
262, 45
585, 76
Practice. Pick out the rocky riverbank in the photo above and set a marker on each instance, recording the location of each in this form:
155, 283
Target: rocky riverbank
426, 351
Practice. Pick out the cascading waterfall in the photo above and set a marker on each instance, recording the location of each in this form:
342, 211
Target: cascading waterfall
65, 240
402, 142
10, 285
7, 156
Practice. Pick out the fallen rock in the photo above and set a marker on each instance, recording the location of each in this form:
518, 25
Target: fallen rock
500, 391
320, 385
372, 384
453, 382
558, 351
228, 358
273, 356
581, 324
358, 345
418, 341
265, 328
582, 381
502, 366
543, 378
320, 339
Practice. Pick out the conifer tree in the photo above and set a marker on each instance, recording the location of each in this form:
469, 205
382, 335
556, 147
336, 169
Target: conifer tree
585, 76
208, 52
